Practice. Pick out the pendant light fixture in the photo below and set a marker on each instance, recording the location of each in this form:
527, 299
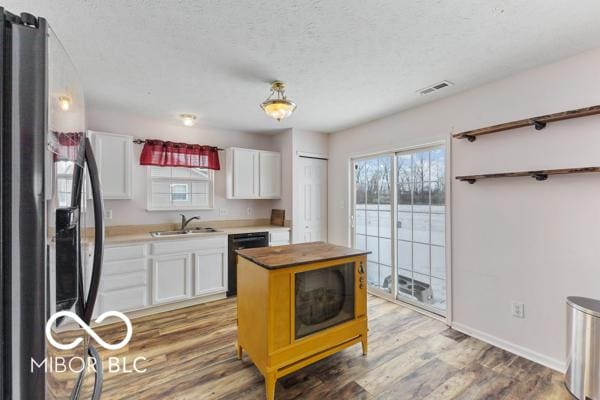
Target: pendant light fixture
188, 119
277, 106
64, 102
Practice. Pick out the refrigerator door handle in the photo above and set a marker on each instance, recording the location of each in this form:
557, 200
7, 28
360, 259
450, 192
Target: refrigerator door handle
98, 232
98, 382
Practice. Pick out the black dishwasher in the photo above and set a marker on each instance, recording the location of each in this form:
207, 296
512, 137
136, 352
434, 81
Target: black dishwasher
237, 242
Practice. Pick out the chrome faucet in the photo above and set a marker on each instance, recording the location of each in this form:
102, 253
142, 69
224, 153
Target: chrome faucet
185, 222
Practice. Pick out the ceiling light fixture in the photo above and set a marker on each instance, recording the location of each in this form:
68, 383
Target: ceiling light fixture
188, 119
279, 107
64, 102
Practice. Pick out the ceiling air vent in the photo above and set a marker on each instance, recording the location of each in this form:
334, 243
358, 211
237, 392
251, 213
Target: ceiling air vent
435, 87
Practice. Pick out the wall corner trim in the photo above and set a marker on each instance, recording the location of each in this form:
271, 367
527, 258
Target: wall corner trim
521, 351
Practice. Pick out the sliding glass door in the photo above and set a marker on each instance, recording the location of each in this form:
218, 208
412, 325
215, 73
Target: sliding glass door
373, 218
413, 184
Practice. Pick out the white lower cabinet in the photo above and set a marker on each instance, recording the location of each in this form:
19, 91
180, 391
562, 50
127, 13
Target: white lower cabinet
210, 273
124, 281
279, 238
171, 278
142, 275
125, 299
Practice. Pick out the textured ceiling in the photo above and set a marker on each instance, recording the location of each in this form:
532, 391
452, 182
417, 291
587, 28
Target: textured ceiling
345, 61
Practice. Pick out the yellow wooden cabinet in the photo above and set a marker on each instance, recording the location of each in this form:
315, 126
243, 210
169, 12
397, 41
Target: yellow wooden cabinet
267, 317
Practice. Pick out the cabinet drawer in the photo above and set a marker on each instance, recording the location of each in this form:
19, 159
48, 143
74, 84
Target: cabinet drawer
132, 298
279, 236
125, 266
184, 246
124, 252
120, 281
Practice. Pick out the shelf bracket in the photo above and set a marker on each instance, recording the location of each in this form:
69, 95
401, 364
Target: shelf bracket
470, 138
539, 176
539, 125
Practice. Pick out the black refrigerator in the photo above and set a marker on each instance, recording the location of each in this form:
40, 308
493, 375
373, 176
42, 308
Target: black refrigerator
51, 214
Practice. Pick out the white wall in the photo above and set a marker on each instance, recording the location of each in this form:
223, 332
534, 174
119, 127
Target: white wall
132, 212
289, 143
513, 239
283, 143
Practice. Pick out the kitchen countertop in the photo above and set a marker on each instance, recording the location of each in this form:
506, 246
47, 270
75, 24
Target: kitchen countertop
250, 229
296, 254
147, 237
137, 237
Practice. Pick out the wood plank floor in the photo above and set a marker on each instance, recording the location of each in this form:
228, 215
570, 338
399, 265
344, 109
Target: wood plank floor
191, 355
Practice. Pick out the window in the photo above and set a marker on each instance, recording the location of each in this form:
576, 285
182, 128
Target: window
410, 242
178, 188
180, 192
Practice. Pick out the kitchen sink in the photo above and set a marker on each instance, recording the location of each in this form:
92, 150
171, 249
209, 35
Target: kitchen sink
201, 230
188, 231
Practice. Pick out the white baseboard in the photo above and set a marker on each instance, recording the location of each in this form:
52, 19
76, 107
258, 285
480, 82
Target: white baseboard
521, 351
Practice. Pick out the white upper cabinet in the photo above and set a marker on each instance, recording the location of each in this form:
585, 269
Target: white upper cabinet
244, 168
114, 156
253, 174
270, 174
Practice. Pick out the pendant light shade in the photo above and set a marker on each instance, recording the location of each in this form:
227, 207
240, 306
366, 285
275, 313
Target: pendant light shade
279, 107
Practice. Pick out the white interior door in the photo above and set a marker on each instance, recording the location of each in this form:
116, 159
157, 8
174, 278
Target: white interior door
312, 200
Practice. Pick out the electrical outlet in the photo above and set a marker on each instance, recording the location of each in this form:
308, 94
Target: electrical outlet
222, 212
107, 214
249, 211
518, 309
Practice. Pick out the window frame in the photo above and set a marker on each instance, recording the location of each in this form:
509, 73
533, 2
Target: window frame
175, 180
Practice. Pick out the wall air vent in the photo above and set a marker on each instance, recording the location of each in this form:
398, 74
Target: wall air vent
435, 87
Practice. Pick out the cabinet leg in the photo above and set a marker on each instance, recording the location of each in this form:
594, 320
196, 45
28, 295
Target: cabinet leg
238, 350
270, 381
365, 346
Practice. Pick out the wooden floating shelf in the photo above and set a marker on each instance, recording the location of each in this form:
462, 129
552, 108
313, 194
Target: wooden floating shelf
538, 122
541, 175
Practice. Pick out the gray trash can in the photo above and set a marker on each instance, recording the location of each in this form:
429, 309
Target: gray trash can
583, 348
